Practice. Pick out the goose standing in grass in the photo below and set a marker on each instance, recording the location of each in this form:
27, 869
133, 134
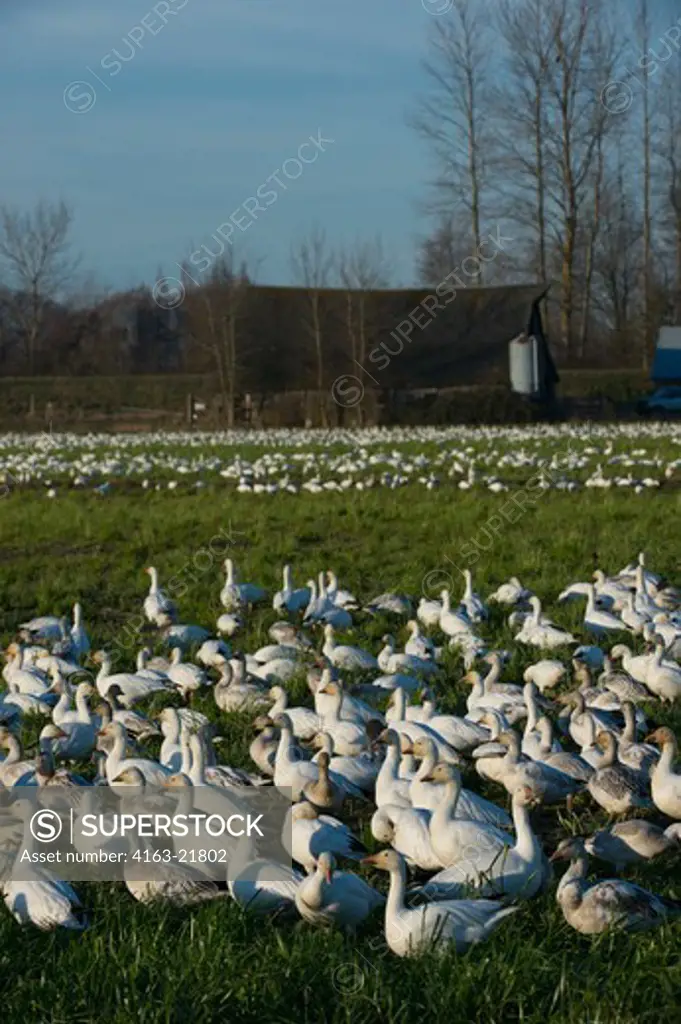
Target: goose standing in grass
426, 794
360, 771
184, 676
331, 898
596, 620
635, 665
451, 622
457, 840
621, 683
569, 764
117, 762
130, 686
312, 833
519, 870
471, 602
305, 722
79, 639
665, 783
289, 599
391, 661
260, 885
541, 632
511, 593
412, 931
614, 786
631, 842
39, 898
429, 612
407, 830
352, 659
663, 678
233, 693
158, 607
235, 596
594, 907
393, 604
418, 645
545, 674
549, 785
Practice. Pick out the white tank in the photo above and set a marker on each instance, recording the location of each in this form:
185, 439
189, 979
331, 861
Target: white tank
523, 354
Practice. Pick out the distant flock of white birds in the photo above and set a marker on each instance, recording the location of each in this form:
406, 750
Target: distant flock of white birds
566, 457
538, 740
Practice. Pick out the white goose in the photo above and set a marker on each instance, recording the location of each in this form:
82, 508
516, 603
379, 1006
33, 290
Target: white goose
328, 897
352, 659
288, 599
665, 783
157, 604
132, 687
413, 931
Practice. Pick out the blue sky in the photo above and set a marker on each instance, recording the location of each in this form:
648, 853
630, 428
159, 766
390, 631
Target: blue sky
210, 105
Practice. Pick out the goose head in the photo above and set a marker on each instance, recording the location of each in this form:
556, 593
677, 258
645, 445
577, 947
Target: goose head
662, 737
385, 860
326, 864
571, 848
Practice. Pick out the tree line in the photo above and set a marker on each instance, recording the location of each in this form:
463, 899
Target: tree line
558, 119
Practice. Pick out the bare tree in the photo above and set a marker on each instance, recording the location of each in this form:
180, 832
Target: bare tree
585, 59
668, 164
528, 29
450, 117
644, 42
312, 264
37, 264
362, 270
218, 310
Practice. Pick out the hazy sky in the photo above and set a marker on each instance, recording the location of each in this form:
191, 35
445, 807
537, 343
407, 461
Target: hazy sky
202, 103
211, 104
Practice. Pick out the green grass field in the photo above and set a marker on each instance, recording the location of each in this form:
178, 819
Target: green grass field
215, 963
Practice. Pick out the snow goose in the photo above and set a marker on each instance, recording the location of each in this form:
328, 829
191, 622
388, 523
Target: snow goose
157, 605
390, 787
406, 829
635, 665
426, 794
117, 762
419, 645
260, 885
213, 653
305, 722
459, 839
591, 908
312, 833
391, 661
393, 604
519, 871
411, 931
184, 676
233, 693
540, 632
288, 599
471, 602
352, 659
545, 674
349, 737
621, 683
328, 897
451, 622
351, 708
630, 842
360, 771
665, 783
550, 753
663, 678
616, 788
341, 598
549, 785
235, 596
428, 612
131, 686
597, 621
511, 593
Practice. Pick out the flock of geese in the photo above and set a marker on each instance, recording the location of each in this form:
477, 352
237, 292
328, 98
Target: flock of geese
568, 458
371, 746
